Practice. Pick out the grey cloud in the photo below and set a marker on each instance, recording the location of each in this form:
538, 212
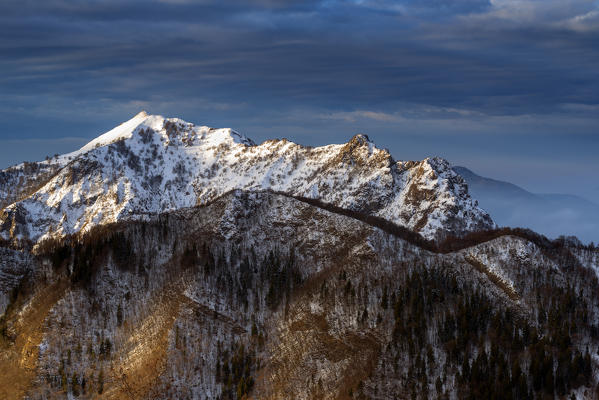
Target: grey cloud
430, 77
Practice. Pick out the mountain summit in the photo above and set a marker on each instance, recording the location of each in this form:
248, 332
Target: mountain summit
151, 164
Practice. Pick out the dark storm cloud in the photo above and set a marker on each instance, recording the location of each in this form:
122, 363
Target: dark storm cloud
447, 75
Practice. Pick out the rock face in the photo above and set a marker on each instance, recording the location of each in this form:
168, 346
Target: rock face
152, 164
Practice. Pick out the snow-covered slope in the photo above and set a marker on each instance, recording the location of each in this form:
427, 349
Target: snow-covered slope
151, 164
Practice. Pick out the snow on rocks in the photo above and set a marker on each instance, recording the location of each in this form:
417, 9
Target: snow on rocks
151, 164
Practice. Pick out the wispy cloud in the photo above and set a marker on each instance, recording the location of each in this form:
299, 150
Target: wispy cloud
352, 116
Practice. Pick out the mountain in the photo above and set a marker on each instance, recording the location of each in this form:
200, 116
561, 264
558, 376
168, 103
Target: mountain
164, 260
260, 295
550, 214
152, 164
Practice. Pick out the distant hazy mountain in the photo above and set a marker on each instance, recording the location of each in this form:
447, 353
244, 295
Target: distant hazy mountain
550, 214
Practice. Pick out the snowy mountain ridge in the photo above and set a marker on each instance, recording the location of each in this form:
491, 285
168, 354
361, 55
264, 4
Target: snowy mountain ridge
151, 164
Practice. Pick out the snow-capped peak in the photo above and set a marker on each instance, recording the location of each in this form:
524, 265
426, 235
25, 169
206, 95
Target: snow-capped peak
123, 131
167, 128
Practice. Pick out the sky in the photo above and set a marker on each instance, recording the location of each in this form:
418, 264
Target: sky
508, 88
